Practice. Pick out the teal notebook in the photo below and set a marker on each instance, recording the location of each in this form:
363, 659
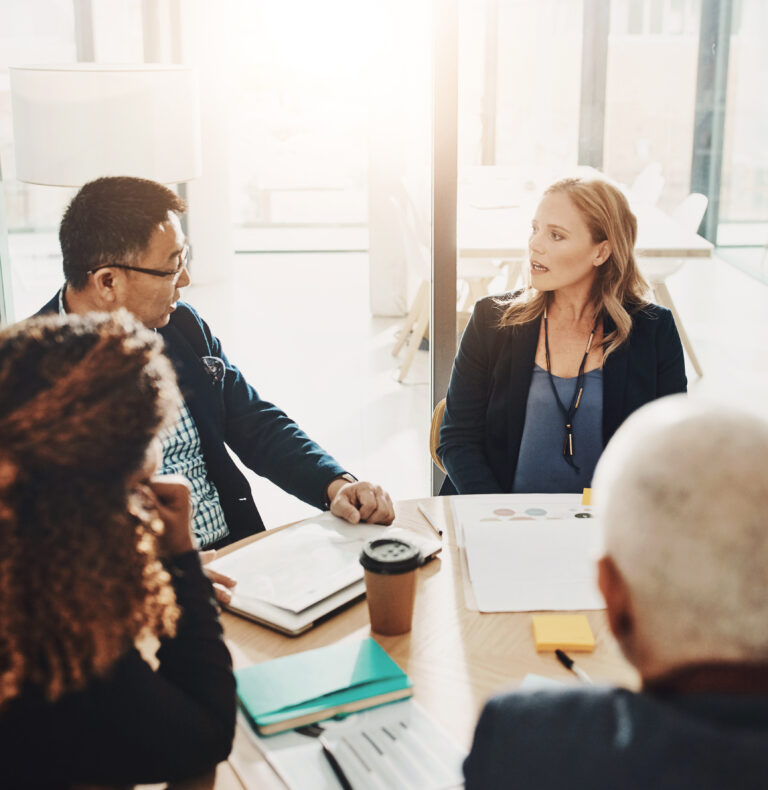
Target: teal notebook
318, 684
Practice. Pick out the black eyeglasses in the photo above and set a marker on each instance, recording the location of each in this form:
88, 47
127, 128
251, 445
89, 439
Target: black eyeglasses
183, 260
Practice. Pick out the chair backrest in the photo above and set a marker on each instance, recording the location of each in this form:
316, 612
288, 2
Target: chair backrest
434, 433
690, 212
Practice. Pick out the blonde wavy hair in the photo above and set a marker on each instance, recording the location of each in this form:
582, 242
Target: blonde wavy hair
81, 398
619, 290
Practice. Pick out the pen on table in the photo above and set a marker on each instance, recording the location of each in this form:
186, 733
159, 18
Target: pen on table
429, 521
569, 663
334, 763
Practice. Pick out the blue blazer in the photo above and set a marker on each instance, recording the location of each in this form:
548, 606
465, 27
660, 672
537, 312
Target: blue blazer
228, 411
488, 392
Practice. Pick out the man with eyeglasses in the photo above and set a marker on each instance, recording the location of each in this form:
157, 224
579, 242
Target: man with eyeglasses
123, 246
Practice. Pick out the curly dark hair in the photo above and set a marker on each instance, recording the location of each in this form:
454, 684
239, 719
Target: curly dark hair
111, 220
81, 398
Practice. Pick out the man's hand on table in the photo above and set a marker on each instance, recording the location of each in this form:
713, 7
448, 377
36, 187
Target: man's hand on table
360, 501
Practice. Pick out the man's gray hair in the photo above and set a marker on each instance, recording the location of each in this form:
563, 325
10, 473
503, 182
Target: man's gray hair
682, 491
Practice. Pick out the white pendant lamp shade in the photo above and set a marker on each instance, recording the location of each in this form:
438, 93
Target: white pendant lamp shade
78, 122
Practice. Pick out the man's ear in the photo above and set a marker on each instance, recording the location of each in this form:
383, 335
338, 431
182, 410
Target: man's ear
103, 282
617, 599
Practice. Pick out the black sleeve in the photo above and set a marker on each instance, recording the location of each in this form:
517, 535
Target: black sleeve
670, 374
462, 435
480, 765
137, 725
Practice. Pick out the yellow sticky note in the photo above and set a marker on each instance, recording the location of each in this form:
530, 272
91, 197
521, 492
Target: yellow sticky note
564, 631
586, 497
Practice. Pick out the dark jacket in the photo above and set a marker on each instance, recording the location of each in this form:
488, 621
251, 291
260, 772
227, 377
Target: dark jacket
595, 738
227, 410
488, 392
134, 725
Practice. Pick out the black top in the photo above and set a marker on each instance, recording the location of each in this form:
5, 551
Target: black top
488, 393
135, 725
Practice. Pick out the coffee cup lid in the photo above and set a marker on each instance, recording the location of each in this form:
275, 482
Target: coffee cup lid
390, 556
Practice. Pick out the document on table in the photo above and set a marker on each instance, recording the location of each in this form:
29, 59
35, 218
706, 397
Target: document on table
528, 552
534, 566
397, 745
468, 511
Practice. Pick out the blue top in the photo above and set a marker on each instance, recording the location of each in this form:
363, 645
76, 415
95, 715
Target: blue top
541, 467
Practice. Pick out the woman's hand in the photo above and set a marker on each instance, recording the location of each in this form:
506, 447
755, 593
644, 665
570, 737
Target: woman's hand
222, 584
170, 495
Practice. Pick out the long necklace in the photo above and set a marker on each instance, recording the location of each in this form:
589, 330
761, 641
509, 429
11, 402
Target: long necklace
570, 412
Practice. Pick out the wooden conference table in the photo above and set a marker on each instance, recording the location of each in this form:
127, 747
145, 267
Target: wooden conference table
455, 657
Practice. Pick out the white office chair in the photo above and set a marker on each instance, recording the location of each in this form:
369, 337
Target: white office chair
647, 186
688, 214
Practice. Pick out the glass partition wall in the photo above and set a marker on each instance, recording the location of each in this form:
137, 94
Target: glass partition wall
332, 124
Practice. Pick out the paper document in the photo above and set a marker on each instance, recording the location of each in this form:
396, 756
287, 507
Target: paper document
393, 746
534, 566
513, 508
533, 682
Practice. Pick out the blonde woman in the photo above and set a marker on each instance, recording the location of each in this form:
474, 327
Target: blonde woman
545, 376
98, 560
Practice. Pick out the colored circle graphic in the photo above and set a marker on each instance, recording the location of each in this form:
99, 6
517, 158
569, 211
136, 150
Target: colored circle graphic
536, 511
504, 511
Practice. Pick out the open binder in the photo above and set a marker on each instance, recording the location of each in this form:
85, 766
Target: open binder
293, 577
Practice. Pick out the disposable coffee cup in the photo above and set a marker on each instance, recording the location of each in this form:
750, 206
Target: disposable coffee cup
390, 583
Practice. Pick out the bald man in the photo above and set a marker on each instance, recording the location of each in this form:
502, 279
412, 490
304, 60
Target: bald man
682, 491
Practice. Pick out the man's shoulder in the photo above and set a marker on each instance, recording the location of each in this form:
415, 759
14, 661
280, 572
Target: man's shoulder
554, 704
187, 320
50, 307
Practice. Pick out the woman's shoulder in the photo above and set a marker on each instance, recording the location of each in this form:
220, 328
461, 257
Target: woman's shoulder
491, 308
650, 314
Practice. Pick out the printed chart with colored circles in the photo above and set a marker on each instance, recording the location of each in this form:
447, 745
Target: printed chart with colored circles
537, 512
507, 509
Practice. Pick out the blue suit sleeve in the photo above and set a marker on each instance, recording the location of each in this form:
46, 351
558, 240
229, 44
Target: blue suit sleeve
268, 441
462, 435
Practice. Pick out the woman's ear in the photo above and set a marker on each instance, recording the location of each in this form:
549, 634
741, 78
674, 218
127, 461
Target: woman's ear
603, 253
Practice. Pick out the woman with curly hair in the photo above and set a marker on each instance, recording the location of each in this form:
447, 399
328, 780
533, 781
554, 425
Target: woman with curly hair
97, 565
544, 377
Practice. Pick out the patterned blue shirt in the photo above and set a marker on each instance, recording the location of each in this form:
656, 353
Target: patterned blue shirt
182, 456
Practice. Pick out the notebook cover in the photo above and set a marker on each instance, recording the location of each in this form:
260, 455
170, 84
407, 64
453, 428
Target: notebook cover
315, 681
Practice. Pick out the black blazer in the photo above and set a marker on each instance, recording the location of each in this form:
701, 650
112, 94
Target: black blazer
488, 392
228, 411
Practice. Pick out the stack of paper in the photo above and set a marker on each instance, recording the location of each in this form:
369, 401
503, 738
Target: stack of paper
294, 576
529, 553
